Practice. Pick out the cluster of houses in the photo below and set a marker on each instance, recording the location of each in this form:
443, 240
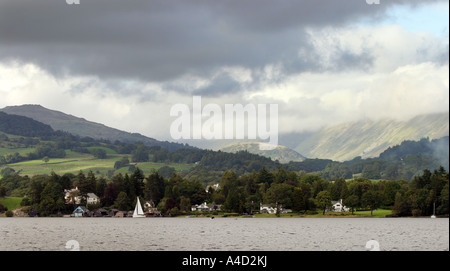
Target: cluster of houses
269, 209
82, 211
204, 207
337, 206
73, 196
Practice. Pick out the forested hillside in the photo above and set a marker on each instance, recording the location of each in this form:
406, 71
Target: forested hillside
23, 126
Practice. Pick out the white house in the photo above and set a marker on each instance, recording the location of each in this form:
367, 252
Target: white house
205, 207
268, 209
92, 199
74, 196
338, 206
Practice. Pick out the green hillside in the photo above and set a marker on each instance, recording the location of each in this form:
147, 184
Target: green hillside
81, 127
74, 162
62, 153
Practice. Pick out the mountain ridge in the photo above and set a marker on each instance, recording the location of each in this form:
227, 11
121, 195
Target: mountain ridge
281, 153
369, 138
61, 121
342, 142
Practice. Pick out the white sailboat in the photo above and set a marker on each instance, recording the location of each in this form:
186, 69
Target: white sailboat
138, 212
434, 210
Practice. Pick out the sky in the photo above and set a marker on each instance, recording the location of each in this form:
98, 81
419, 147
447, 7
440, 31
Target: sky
126, 63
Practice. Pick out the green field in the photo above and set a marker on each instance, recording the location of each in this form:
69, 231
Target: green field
376, 213
11, 202
75, 162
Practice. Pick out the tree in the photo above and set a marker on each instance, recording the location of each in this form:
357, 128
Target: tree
47, 206
141, 154
166, 171
100, 187
122, 202
46, 159
372, 199
235, 201
99, 153
185, 204
444, 203
154, 188
86, 185
319, 185
335, 171
390, 190
121, 163
280, 194
7, 171
36, 190
138, 181
265, 177
338, 189
229, 182
301, 196
52, 190
402, 205
352, 202
323, 200
2, 191
110, 194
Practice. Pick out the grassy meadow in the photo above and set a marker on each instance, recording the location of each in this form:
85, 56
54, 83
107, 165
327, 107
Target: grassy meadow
75, 162
11, 202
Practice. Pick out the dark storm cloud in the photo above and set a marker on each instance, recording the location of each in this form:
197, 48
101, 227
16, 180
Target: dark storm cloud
222, 83
162, 40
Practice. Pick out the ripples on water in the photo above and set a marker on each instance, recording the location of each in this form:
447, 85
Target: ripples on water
224, 234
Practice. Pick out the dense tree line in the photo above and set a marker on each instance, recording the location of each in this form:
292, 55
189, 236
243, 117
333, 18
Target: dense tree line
45, 194
303, 193
308, 192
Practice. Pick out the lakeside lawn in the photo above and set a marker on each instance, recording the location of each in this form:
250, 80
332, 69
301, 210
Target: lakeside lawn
11, 202
376, 213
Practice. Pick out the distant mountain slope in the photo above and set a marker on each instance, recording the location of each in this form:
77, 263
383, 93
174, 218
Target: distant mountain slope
370, 138
281, 153
79, 126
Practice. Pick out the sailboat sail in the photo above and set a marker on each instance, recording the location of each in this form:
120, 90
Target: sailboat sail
138, 212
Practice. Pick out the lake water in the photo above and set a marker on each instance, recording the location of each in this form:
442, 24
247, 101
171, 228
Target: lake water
224, 234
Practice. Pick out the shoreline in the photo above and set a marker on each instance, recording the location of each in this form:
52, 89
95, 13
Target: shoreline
236, 217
